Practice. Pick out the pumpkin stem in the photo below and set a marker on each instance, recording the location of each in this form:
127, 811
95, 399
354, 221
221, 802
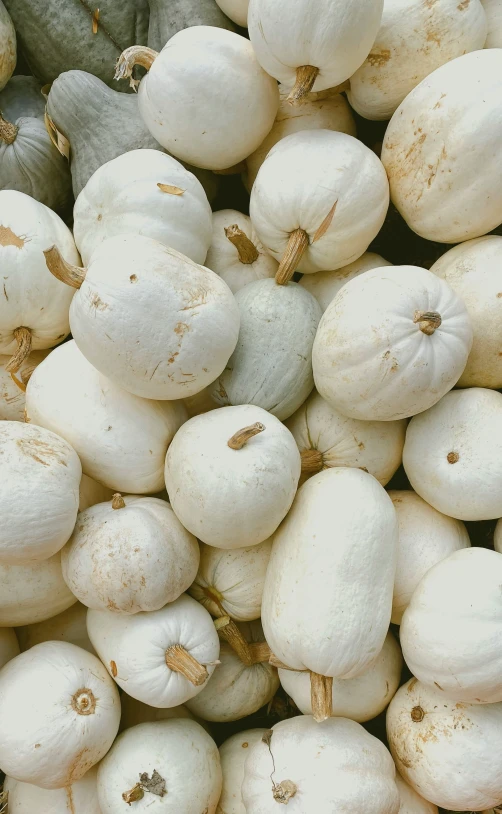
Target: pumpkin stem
312, 461
133, 795
428, 321
321, 696
84, 702
8, 131
228, 630
181, 661
284, 791
306, 75
246, 249
62, 270
241, 437
135, 55
275, 662
260, 652
118, 501
297, 244
23, 339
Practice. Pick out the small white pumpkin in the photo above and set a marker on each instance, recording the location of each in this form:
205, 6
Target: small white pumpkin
121, 439
411, 802
172, 765
33, 592
425, 538
205, 98
452, 454
128, 555
493, 11
135, 712
233, 754
92, 492
8, 49
447, 751
9, 645
144, 192
257, 466
237, 10
13, 385
79, 798
325, 285
391, 362
163, 657
70, 713
68, 626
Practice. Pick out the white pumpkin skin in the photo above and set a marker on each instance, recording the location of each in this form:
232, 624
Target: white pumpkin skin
341, 529
359, 699
68, 626
426, 537
325, 285
379, 364
33, 592
335, 765
452, 454
431, 148
12, 397
92, 492
8, 49
233, 754
411, 802
493, 11
121, 439
123, 197
9, 645
79, 798
237, 10
68, 705
137, 557
135, 712
200, 403
449, 752
303, 177
185, 757
255, 485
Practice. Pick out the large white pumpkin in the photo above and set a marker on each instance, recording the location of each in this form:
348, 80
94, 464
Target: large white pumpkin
493, 11
8, 50
233, 754
395, 360
33, 592
79, 798
411, 802
9, 645
68, 626
325, 285
13, 385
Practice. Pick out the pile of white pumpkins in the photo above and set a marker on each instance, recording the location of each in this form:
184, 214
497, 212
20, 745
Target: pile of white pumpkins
186, 524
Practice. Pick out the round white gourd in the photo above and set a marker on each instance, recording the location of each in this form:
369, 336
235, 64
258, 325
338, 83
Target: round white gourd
233, 754
236, 253
411, 802
9, 645
176, 763
449, 752
68, 626
205, 98
231, 581
129, 555
326, 438
69, 709
12, 393
257, 467
92, 492
121, 439
146, 652
452, 454
144, 192
442, 150
473, 269
79, 798
361, 698
33, 592
450, 626
8, 49
135, 712
237, 10
391, 362
493, 11
272, 362
332, 766
325, 285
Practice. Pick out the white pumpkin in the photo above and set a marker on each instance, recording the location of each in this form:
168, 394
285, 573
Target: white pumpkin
205, 98
34, 306
236, 253
172, 766
8, 50
231, 581
452, 454
493, 11
241, 459
92, 492
325, 285
79, 798
411, 802
326, 438
13, 385
121, 439
473, 269
332, 766
135, 712
144, 192
68, 626
432, 145
9, 645
162, 658
414, 39
319, 199
201, 402
233, 754
361, 698
237, 10
190, 318
425, 538
390, 362
271, 366
449, 752
69, 709
33, 592
128, 555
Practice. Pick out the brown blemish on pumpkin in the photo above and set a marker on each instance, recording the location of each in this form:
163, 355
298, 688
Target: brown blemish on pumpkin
438, 686
181, 328
113, 669
69, 799
172, 358
377, 60
38, 450
97, 303
417, 714
133, 278
452, 458
464, 5
38, 745
8, 238
245, 745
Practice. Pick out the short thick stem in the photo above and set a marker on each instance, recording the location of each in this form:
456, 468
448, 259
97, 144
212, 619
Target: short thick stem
84, 702
118, 501
8, 131
62, 270
284, 791
241, 437
427, 321
321, 696
135, 55
297, 245
312, 461
246, 249
181, 661
306, 75
133, 795
228, 630
260, 652
23, 339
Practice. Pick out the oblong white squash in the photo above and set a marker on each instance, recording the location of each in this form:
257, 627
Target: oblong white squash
68, 626
12, 390
9, 645
79, 798
390, 362
233, 754
257, 464
325, 285
70, 709
493, 11
92, 492
411, 802
135, 712
8, 49
33, 592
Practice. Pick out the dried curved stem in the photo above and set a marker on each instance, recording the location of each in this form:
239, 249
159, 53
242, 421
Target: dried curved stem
8, 131
297, 245
306, 75
62, 270
118, 501
312, 461
241, 437
246, 249
228, 630
427, 321
321, 696
135, 55
284, 791
23, 339
18, 382
181, 661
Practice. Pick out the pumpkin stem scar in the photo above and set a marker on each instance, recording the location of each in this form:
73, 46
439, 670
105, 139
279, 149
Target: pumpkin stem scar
297, 245
241, 437
306, 75
118, 501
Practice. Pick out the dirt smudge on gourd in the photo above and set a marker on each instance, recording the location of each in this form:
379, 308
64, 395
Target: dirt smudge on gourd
40, 451
69, 799
79, 766
9, 238
464, 5
97, 303
377, 60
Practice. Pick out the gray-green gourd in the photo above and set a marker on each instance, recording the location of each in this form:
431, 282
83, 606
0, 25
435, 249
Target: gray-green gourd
167, 17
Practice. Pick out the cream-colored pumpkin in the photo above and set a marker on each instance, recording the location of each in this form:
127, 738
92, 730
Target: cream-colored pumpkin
493, 11
129, 554
8, 50
425, 538
411, 802
92, 492
474, 270
79, 798
12, 391
442, 150
449, 752
256, 464
325, 285
452, 454
121, 439
201, 402
144, 192
231, 581
33, 592
237, 10
414, 39
40, 475
135, 712
326, 438
205, 98
70, 713
9, 645
233, 754
236, 253
68, 626
395, 360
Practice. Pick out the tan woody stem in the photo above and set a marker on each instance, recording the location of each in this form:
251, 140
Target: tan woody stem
23, 339
297, 245
228, 630
312, 461
321, 689
427, 321
306, 75
246, 249
8, 131
241, 437
135, 55
181, 661
62, 270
